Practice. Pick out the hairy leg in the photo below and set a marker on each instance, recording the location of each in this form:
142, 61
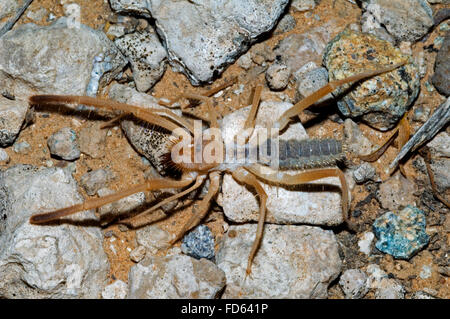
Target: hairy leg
150, 185
132, 221
330, 87
305, 177
241, 175
202, 209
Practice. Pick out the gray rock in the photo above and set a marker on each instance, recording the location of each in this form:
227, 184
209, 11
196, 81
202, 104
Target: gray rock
199, 243
153, 238
22, 147
277, 76
148, 142
12, 119
64, 261
440, 145
219, 31
10, 12
381, 100
117, 290
146, 55
369, 24
354, 283
397, 192
64, 144
385, 287
286, 24
405, 20
175, 277
292, 262
55, 59
137, 254
94, 180
303, 5
310, 81
441, 171
284, 204
245, 61
442, 69
422, 295
4, 157
356, 142
364, 173
92, 139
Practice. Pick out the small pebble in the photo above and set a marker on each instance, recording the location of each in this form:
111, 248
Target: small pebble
364, 173
137, 254
354, 283
365, 243
199, 243
4, 157
95, 180
64, 144
116, 290
22, 147
277, 76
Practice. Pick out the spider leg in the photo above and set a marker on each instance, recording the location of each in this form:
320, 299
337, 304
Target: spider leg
320, 93
249, 125
305, 177
202, 209
149, 185
243, 176
132, 221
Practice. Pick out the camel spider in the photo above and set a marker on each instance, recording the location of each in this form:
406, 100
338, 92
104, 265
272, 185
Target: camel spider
293, 154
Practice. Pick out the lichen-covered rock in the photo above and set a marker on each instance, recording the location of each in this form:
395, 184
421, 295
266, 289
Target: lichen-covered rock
405, 20
219, 31
146, 55
381, 100
284, 204
441, 74
63, 261
177, 276
55, 59
403, 234
292, 262
64, 144
199, 243
12, 118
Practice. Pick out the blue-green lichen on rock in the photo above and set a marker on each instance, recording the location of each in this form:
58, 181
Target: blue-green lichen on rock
380, 101
403, 234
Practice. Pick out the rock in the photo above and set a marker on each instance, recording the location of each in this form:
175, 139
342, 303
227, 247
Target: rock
284, 204
440, 145
385, 287
121, 207
303, 5
422, 295
286, 24
175, 277
277, 76
356, 142
63, 261
22, 147
218, 32
441, 172
146, 55
92, 139
54, 59
292, 262
381, 100
245, 61
403, 234
364, 173
12, 119
117, 290
354, 283
153, 238
298, 49
442, 68
4, 157
94, 180
405, 20
365, 243
137, 254
150, 143
396, 192
310, 81
64, 144
199, 243
8, 13
369, 24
